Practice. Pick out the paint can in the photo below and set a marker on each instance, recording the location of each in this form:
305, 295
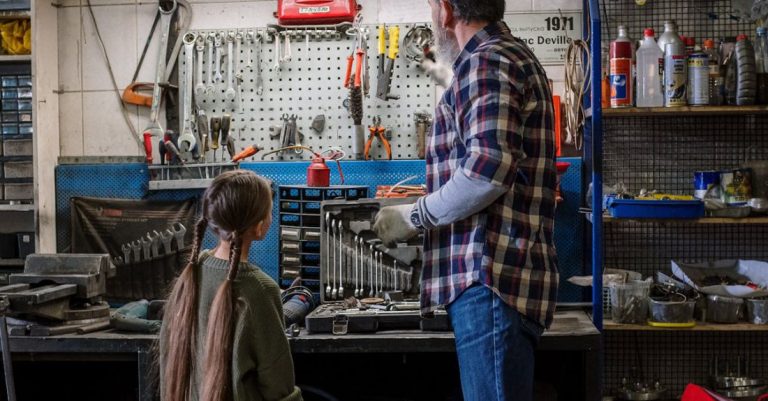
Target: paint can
703, 181
736, 186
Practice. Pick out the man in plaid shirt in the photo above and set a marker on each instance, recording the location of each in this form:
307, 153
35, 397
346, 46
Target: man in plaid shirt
488, 219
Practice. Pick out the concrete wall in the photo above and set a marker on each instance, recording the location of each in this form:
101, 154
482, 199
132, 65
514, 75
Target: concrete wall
89, 112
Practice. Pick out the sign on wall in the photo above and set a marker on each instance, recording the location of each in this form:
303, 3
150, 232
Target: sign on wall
548, 34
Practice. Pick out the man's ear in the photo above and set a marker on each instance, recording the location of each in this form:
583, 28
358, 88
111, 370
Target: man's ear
449, 19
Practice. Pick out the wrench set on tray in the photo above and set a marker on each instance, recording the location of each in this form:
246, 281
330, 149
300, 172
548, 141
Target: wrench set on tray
365, 286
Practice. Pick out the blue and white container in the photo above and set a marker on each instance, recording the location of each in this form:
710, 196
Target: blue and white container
703, 181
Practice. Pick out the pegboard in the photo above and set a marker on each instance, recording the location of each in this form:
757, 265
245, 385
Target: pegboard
312, 84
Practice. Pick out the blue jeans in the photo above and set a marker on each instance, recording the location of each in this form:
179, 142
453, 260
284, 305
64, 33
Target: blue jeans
495, 345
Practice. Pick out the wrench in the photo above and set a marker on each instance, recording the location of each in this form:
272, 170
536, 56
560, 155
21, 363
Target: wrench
395, 273
259, 80
249, 42
328, 256
361, 274
230, 92
287, 55
357, 264
200, 86
372, 267
165, 19
154, 238
209, 88
136, 247
238, 74
179, 231
166, 237
278, 58
126, 253
187, 139
145, 246
217, 77
342, 259
334, 288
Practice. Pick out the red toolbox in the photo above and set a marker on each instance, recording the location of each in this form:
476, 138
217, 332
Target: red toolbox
314, 12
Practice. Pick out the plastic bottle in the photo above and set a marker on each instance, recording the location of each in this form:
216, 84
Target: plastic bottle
690, 45
670, 35
675, 75
716, 79
746, 75
649, 63
761, 57
621, 62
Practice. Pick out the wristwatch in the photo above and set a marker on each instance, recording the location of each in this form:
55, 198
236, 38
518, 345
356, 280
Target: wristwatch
416, 218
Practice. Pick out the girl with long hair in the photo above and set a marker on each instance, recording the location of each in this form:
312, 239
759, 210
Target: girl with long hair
223, 336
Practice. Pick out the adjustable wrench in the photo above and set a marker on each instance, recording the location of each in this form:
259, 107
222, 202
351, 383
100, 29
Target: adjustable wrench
199, 86
126, 253
217, 77
230, 92
179, 231
210, 87
342, 259
166, 237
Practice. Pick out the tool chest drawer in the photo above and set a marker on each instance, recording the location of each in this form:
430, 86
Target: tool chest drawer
17, 147
17, 191
17, 169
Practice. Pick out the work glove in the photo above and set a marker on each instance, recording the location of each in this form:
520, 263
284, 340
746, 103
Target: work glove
441, 74
393, 224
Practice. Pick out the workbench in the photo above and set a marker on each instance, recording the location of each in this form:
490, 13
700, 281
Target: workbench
571, 331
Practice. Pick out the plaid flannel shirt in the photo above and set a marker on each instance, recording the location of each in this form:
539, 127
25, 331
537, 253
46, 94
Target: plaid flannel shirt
496, 123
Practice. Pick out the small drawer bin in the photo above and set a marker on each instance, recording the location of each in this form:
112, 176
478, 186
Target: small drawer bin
310, 207
25, 80
334, 193
310, 272
10, 94
310, 246
310, 221
25, 129
24, 93
18, 169
12, 117
290, 193
311, 235
10, 105
18, 191
10, 129
290, 220
310, 260
290, 207
25, 105
312, 194
355, 193
17, 147
10, 81
26, 118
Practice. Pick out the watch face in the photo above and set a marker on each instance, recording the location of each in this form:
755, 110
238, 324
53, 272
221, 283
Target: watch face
415, 220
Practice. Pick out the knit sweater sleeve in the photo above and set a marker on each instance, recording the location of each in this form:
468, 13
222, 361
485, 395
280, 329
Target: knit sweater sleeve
262, 333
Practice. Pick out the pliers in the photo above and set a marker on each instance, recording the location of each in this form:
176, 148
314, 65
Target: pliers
377, 130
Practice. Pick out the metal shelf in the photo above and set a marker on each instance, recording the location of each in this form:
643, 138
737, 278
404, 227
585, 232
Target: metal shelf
15, 59
703, 220
17, 208
15, 14
711, 327
11, 262
688, 111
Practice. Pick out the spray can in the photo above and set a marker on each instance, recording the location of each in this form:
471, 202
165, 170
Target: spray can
675, 75
698, 79
622, 70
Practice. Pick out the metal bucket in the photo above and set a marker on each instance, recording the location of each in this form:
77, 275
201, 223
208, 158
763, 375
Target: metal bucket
723, 309
757, 311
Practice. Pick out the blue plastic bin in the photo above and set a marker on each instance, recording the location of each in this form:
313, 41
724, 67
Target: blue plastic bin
654, 209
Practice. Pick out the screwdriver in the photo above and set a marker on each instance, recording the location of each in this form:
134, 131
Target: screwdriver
215, 130
148, 146
226, 122
202, 132
231, 147
247, 152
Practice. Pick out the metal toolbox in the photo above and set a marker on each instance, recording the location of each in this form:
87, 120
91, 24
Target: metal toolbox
365, 286
17, 147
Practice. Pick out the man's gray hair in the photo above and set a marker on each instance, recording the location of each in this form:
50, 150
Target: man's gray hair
478, 10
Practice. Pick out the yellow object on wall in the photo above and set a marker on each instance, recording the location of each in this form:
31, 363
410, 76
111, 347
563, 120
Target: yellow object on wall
17, 36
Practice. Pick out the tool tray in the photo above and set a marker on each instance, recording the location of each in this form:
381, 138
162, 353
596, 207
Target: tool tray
379, 286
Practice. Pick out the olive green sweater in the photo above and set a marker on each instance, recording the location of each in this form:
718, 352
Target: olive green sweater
262, 366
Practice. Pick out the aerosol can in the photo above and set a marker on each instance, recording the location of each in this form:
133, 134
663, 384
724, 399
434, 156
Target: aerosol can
675, 75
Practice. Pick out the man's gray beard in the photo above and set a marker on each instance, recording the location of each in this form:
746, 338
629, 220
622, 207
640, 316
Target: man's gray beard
447, 47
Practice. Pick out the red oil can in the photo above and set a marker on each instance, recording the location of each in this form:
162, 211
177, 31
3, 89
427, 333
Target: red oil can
318, 173
314, 12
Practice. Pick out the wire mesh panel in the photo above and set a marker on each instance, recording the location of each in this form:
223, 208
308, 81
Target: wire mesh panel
678, 358
700, 19
663, 152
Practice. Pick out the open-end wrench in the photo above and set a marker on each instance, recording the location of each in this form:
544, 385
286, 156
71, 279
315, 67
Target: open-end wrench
259, 80
288, 54
136, 247
355, 243
165, 28
249, 42
278, 58
231, 56
217, 77
199, 85
394, 273
179, 231
210, 87
166, 237
334, 290
126, 253
146, 249
328, 265
342, 259
361, 274
238, 74
379, 283
372, 267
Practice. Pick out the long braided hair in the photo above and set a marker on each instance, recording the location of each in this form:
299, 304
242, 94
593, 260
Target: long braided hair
235, 203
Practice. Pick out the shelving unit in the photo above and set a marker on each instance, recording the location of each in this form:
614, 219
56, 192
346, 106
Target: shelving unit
661, 148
